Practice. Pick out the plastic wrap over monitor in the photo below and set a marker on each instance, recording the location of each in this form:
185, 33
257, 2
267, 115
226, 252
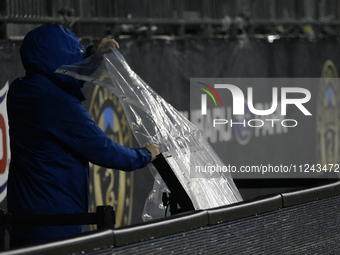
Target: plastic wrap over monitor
153, 120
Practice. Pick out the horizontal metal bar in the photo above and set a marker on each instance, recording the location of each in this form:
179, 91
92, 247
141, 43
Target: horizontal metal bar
30, 20
171, 8
55, 220
110, 21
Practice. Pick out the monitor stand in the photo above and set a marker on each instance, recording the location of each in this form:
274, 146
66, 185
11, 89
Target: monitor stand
178, 197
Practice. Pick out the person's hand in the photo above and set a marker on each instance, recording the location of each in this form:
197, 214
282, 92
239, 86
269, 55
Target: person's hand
100, 46
154, 149
105, 41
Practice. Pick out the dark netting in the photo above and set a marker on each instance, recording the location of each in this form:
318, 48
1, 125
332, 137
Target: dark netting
310, 228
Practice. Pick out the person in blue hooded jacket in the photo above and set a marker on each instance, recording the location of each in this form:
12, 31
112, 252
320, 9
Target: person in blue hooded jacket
53, 138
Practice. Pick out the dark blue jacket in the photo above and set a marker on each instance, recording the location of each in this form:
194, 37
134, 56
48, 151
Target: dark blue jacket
53, 138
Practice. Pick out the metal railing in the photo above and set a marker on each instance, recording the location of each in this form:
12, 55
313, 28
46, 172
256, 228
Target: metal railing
211, 13
104, 218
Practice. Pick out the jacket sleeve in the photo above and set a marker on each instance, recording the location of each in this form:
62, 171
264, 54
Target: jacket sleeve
75, 128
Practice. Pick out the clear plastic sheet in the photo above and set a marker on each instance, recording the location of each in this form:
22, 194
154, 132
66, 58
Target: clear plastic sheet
153, 120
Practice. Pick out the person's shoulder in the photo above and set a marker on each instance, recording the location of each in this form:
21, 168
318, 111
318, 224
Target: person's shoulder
15, 84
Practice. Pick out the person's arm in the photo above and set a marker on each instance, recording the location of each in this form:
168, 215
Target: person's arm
84, 138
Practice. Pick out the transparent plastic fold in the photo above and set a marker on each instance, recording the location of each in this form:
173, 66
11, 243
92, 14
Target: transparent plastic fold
153, 120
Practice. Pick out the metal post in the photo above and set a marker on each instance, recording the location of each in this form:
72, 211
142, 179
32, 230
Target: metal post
179, 8
272, 10
105, 217
81, 16
207, 17
3, 25
2, 229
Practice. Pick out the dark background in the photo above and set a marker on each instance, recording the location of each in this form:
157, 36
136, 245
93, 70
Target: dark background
168, 65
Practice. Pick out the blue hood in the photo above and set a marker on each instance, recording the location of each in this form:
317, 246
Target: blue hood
46, 48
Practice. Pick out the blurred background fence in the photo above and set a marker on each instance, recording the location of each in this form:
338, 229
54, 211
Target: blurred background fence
207, 18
